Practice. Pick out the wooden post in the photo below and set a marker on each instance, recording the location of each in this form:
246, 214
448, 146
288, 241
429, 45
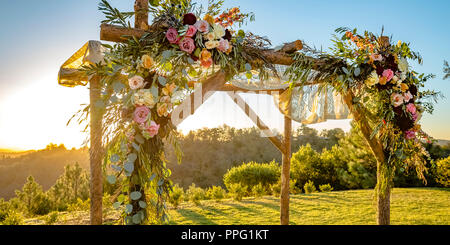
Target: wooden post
95, 152
285, 172
141, 14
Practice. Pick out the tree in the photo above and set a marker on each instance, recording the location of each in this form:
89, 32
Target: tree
33, 199
72, 185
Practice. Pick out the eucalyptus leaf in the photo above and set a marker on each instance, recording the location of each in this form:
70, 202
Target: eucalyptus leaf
357, 72
142, 204
115, 167
136, 147
162, 80
129, 208
111, 179
129, 167
118, 86
160, 182
248, 67
114, 158
135, 195
136, 219
116, 205
139, 139
152, 177
132, 157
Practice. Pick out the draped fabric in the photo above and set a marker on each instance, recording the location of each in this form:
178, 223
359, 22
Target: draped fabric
304, 104
91, 53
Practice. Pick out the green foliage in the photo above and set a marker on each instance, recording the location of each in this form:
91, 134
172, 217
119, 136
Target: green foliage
217, 193
176, 196
196, 194
237, 191
72, 185
253, 174
446, 70
79, 205
259, 190
293, 187
51, 218
325, 188
33, 199
4, 209
13, 218
443, 172
309, 187
276, 189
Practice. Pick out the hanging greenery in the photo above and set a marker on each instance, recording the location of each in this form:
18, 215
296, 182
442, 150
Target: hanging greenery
145, 78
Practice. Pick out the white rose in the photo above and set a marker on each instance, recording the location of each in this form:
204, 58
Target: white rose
144, 97
403, 65
212, 44
136, 82
219, 31
210, 36
373, 79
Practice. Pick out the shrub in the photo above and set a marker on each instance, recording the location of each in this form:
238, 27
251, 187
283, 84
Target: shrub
325, 188
195, 194
79, 205
252, 174
258, 190
4, 209
443, 172
51, 218
309, 187
276, 189
176, 196
217, 193
13, 218
293, 188
237, 191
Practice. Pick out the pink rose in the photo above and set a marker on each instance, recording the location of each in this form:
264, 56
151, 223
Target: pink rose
191, 31
411, 108
187, 45
407, 96
172, 35
141, 114
202, 26
388, 74
152, 129
397, 100
224, 45
415, 117
409, 135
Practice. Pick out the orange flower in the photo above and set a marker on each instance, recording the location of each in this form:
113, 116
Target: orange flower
209, 19
147, 62
205, 55
404, 87
383, 80
168, 90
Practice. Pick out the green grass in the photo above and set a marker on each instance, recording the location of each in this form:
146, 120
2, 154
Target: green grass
413, 206
418, 206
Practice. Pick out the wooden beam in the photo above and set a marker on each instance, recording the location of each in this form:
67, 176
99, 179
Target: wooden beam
141, 14
96, 152
198, 97
114, 33
285, 172
233, 88
238, 100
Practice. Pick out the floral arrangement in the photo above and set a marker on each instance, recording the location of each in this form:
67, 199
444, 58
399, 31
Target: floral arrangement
385, 89
144, 79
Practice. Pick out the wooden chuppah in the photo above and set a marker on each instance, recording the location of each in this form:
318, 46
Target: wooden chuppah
217, 82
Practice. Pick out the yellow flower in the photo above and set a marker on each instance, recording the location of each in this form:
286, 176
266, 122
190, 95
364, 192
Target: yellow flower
147, 61
219, 31
205, 55
399, 44
209, 19
144, 97
404, 87
162, 109
373, 79
168, 89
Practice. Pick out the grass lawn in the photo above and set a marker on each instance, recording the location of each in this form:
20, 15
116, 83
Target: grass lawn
416, 206
412, 206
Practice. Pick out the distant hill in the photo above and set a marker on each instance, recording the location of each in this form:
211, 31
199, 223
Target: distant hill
443, 142
45, 166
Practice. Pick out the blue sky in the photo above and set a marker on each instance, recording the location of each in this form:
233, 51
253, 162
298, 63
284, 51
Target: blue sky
38, 36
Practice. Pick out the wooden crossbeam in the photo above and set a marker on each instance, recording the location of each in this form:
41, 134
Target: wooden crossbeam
238, 100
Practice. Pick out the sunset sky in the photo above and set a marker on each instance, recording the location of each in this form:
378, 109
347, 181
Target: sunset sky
38, 36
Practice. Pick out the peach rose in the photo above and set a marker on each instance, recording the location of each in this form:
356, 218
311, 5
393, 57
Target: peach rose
147, 61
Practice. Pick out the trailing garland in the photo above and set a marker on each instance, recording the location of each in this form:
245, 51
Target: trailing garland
386, 90
145, 78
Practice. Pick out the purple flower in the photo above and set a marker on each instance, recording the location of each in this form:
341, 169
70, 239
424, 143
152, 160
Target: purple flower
409, 135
